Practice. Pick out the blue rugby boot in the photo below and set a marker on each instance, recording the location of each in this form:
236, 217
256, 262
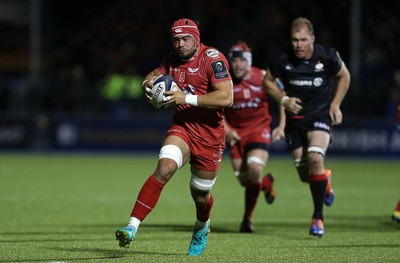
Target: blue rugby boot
396, 216
317, 227
125, 236
199, 240
329, 194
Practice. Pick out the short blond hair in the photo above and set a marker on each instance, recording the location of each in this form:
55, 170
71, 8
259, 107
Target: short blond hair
300, 22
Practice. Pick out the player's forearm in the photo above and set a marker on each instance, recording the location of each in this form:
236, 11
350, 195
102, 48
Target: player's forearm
282, 117
343, 84
341, 91
214, 100
220, 97
273, 90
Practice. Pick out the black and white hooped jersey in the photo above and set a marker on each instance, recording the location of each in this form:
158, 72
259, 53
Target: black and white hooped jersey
309, 80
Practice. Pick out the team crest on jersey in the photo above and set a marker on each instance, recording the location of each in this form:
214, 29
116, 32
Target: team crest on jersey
219, 69
212, 53
319, 67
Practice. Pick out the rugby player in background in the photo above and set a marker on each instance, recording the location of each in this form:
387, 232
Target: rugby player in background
308, 72
248, 131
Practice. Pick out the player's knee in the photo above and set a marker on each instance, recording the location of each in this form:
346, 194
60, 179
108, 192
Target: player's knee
302, 169
172, 152
200, 184
316, 149
255, 166
315, 156
242, 177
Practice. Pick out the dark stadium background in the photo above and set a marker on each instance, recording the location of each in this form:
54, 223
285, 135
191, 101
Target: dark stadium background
70, 71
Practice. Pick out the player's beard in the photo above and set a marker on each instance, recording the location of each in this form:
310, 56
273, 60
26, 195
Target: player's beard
186, 56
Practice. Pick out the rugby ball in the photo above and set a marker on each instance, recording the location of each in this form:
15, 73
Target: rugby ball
160, 85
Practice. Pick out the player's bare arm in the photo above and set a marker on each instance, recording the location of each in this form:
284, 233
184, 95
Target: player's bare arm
291, 104
220, 97
343, 83
279, 132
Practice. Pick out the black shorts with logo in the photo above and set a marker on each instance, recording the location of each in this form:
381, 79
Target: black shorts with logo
296, 129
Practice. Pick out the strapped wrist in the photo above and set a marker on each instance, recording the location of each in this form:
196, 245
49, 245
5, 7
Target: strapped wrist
191, 100
284, 100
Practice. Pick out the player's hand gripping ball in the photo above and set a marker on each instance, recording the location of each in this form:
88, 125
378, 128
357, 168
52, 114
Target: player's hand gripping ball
161, 84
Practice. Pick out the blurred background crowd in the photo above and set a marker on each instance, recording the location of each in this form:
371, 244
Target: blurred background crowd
91, 56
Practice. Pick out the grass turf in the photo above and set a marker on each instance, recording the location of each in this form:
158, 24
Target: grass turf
65, 208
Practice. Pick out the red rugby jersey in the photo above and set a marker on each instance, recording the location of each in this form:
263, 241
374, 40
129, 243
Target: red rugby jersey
250, 107
196, 76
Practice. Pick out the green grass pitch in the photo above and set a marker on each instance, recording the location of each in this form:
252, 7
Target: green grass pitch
65, 208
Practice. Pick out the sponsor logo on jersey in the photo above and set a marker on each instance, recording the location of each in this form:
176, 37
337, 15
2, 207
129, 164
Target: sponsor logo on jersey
219, 69
322, 125
303, 83
317, 82
253, 103
193, 70
182, 77
217, 157
300, 83
212, 53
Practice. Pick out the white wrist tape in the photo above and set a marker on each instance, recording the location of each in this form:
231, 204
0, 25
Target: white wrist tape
283, 100
191, 100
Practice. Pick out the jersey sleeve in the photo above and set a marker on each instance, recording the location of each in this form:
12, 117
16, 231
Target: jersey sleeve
336, 61
216, 66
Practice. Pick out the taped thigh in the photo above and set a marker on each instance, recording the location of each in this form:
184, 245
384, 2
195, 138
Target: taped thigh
172, 152
255, 159
316, 149
201, 184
